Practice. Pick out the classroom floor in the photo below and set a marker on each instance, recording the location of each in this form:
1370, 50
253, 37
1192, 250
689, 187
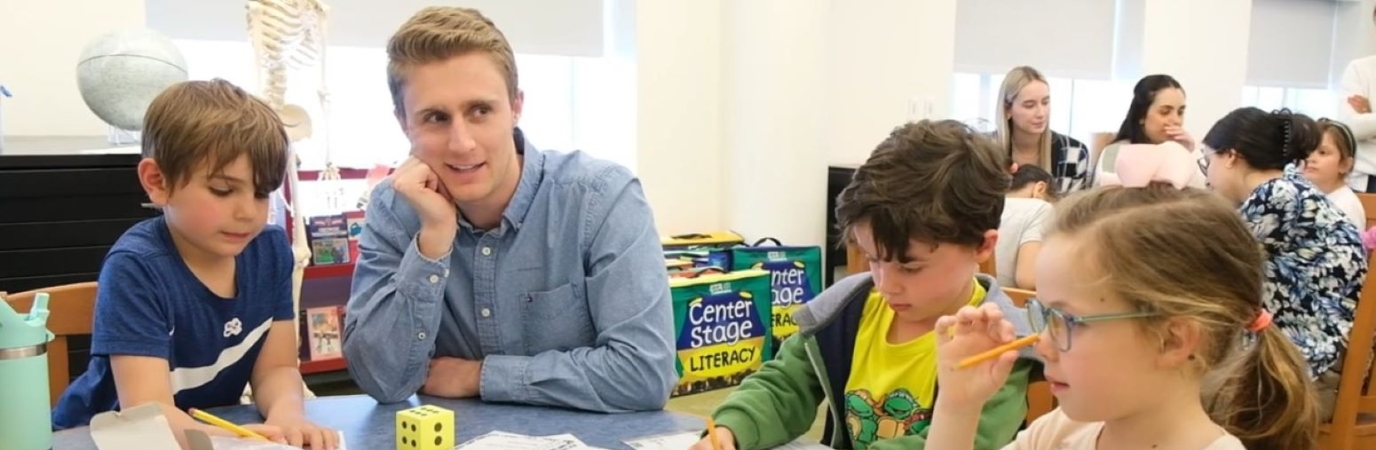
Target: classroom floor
699, 404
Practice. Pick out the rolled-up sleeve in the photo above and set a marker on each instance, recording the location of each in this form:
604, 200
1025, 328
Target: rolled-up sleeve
394, 310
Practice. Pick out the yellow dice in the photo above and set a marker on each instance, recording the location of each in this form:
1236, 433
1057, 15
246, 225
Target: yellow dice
425, 427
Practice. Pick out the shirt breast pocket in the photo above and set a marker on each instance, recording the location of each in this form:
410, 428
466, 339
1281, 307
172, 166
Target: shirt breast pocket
557, 319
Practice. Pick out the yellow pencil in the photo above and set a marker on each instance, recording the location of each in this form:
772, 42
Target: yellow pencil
222, 423
991, 354
712, 433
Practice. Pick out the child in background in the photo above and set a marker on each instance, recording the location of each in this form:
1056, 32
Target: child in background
1329, 166
196, 303
1127, 339
924, 209
1026, 209
1315, 263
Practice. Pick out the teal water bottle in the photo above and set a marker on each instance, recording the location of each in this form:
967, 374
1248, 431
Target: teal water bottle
25, 411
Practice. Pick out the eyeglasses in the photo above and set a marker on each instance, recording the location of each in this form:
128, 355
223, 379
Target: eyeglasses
1203, 162
1059, 325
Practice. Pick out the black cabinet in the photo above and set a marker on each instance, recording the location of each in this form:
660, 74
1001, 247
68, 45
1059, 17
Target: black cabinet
837, 179
60, 213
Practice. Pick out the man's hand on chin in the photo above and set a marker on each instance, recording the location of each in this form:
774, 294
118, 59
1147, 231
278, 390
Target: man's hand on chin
453, 377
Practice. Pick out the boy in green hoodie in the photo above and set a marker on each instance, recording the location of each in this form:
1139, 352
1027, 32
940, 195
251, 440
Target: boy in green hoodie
924, 210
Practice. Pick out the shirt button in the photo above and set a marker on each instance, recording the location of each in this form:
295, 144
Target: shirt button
434, 279
420, 336
487, 312
487, 251
446, 271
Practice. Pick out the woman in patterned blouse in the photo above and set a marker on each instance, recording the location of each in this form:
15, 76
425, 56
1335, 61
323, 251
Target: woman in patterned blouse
1025, 133
1315, 262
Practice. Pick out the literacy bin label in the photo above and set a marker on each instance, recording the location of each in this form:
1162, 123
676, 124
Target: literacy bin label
794, 278
790, 289
723, 328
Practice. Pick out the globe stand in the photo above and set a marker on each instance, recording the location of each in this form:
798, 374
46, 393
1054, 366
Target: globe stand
121, 137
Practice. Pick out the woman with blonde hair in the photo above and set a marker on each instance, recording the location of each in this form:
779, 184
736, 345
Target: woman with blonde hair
1024, 131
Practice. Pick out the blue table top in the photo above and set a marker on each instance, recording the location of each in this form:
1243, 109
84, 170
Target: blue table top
369, 425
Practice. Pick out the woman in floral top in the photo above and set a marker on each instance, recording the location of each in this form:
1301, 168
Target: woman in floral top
1315, 262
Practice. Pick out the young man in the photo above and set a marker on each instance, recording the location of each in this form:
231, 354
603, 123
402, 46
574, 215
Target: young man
1359, 86
197, 302
490, 268
925, 211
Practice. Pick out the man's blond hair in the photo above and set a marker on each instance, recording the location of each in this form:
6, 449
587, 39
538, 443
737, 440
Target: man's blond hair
207, 125
438, 33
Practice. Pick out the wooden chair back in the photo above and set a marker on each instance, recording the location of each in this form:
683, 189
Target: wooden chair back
1353, 425
72, 307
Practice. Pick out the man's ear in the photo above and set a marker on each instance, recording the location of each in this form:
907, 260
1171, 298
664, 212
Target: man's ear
517, 104
1179, 342
154, 183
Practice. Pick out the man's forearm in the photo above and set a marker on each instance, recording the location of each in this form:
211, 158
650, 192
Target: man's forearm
393, 318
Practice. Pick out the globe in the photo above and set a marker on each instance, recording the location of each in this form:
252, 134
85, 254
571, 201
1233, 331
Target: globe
119, 74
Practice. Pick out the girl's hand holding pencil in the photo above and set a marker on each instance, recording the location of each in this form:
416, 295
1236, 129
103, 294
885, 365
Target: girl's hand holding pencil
976, 350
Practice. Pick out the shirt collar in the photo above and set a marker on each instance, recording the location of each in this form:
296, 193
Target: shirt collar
532, 172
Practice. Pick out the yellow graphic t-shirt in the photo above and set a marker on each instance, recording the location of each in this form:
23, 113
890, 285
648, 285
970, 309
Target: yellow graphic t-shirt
892, 386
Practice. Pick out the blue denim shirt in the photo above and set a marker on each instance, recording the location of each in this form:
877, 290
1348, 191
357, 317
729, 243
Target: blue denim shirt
566, 302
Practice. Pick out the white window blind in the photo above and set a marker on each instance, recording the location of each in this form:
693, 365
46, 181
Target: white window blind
1067, 38
562, 27
1291, 43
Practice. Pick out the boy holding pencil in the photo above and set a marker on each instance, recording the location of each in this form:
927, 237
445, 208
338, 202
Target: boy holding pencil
196, 303
924, 209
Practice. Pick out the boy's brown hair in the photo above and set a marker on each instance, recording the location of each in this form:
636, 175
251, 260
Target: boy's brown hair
208, 125
437, 33
932, 181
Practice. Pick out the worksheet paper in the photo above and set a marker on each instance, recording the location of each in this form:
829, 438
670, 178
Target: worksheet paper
681, 441
498, 440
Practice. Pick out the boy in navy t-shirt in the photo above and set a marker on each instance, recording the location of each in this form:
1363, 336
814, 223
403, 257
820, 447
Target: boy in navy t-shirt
197, 303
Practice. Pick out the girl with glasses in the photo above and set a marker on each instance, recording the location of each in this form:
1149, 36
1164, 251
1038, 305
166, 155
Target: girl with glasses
1128, 329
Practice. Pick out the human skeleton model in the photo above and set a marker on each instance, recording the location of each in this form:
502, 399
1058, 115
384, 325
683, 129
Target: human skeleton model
290, 34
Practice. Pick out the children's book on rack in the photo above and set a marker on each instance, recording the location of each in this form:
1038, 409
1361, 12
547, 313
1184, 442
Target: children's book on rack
324, 333
329, 238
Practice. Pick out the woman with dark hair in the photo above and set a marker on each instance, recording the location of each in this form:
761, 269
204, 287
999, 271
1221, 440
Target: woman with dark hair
1315, 263
1155, 116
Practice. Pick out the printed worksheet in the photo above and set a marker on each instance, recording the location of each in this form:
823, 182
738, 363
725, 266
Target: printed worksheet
224, 443
498, 440
681, 441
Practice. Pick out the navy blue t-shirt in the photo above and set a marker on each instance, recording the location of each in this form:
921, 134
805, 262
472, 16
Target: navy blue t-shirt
148, 303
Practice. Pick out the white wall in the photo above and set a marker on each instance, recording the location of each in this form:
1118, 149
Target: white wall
40, 43
774, 134
678, 86
1213, 74
738, 117
875, 88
